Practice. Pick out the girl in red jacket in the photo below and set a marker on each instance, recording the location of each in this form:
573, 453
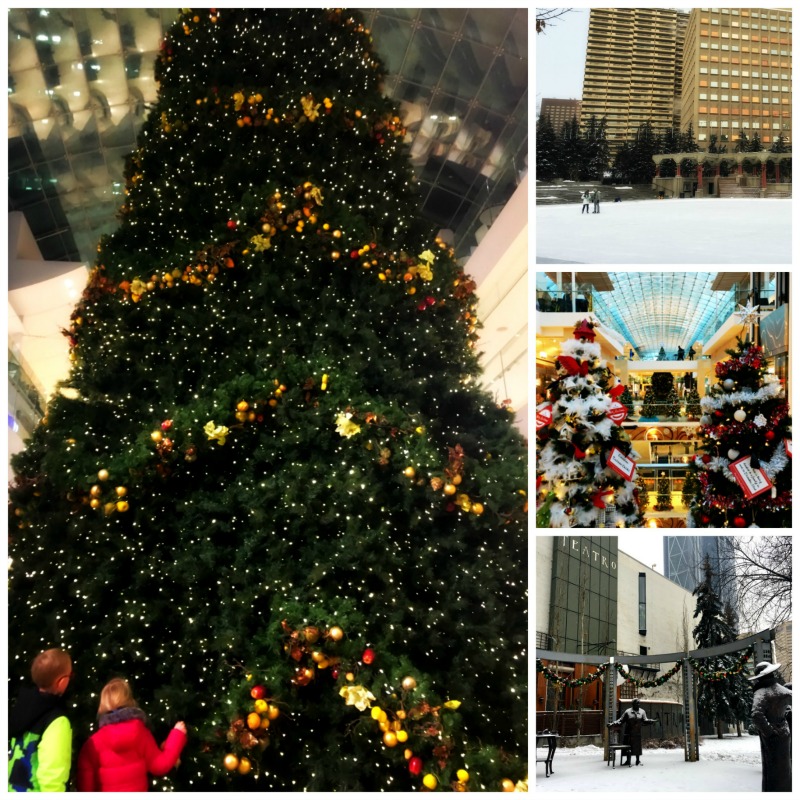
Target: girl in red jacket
118, 757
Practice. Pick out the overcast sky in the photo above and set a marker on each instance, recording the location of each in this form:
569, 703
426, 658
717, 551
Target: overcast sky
561, 57
645, 547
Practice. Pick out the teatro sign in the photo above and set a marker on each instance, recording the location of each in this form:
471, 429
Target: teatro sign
582, 548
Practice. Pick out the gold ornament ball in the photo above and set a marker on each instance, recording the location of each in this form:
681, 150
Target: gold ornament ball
156, 436
109, 508
336, 633
254, 721
231, 762
121, 491
122, 505
242, 405
402, 736
462, 775
457, 480
477, 508
94, 503
102, 475
273, 712
430, 781
244, 766
260, 706
508, 785
241, 415
409, 683
409, 472
95, 491
350, 676
311, 633
265, 723
390, 739
449, 489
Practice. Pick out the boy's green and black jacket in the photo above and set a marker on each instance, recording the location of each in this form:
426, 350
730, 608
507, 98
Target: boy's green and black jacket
40, 743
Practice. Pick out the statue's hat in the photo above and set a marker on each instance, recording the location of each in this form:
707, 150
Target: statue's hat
764, 668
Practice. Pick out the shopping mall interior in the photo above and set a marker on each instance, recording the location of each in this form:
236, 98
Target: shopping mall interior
662, 334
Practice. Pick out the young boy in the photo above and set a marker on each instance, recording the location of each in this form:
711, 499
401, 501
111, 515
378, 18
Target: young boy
40, 735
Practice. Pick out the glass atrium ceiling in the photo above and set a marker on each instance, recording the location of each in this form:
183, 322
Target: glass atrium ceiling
662, 309
80, 82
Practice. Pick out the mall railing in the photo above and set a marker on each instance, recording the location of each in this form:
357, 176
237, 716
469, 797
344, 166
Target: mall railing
547, 300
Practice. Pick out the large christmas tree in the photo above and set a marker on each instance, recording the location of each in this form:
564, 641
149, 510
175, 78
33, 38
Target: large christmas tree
744, 470
271, 492
585, 462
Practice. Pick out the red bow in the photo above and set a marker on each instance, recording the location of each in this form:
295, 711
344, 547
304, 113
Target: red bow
572, 366
597, 497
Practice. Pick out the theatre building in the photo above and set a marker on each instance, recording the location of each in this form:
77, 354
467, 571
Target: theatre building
592, 599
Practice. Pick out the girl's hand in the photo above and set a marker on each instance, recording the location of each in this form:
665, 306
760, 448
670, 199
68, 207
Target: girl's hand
181, 726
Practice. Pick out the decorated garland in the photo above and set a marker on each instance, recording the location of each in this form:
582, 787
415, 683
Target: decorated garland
703, 673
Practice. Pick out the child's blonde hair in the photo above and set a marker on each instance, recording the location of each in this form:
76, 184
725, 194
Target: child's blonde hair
49, 666
116, 694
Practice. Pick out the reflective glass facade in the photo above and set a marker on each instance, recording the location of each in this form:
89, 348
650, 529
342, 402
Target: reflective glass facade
583, 604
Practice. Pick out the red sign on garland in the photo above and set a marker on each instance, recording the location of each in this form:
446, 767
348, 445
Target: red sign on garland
544, 416
617, 413
751, 481
621, 464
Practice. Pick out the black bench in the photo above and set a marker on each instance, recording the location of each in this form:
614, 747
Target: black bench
615, 746
551, 742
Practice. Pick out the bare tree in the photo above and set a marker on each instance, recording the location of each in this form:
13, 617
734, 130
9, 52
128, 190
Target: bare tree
761, 567
545, 16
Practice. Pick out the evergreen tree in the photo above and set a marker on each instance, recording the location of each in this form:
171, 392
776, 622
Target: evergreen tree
690, 488
650, 407
644, 148
724, 700
672, 406
626, 398
547, 151
779, 145
745, 416
270, 492
575, 483
743, 689
670, 142
755, 145
743, 143
663, 496
693, 403
623, 162
572, 150
688, 143
642, 494
712, 144
596, 153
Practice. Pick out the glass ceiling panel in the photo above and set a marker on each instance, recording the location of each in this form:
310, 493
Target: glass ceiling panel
659, 309
662, 309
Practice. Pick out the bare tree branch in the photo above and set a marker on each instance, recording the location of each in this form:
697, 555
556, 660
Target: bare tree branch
547, 15
759, 569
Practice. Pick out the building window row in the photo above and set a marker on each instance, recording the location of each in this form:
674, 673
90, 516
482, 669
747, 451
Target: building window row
712, 123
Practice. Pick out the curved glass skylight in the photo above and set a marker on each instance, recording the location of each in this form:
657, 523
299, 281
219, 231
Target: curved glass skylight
663, 309
658, 309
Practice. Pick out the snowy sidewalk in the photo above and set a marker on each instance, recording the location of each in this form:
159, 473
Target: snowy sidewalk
691, 231
731, 764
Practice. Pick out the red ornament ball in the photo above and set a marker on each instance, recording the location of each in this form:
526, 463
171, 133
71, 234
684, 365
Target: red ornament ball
769, 435
368, 656
705, 519
258, 692
718, 413
415, 765
739, 522
706, 458
430, 300
232, 224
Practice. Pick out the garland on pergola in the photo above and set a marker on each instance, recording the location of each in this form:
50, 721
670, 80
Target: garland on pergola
720, 674
703, 673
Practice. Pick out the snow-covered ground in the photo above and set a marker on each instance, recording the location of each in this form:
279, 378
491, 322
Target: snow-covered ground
691, 231
731, 764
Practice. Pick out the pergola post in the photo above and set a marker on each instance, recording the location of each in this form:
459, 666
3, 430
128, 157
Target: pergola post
610, 703
690, 732
763, 174
777, 171
700, 178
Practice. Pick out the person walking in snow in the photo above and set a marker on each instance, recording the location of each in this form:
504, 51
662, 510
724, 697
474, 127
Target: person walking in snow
596, 201
585, 202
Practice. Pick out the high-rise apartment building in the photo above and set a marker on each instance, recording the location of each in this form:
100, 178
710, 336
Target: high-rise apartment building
683, 562
737, 74
559, 112
633, 70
